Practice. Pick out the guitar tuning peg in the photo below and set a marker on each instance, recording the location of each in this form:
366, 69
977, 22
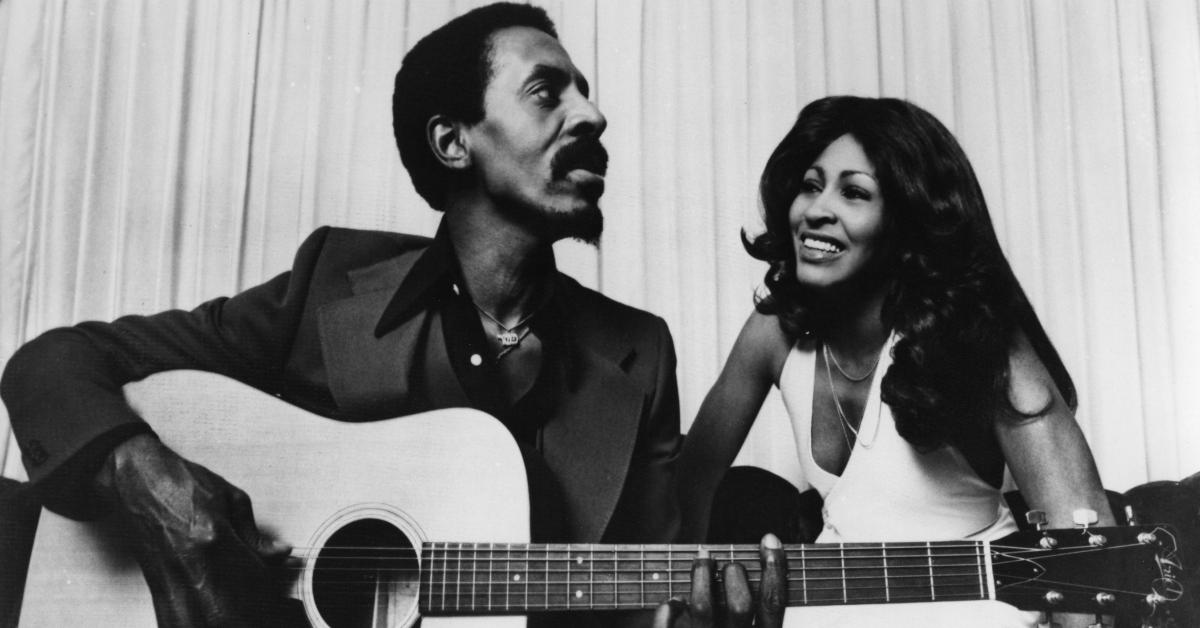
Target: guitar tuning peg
1084, 517
1036, 518
1130, 518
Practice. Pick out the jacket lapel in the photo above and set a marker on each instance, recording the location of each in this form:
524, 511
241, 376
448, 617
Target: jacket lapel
377, 377
589, 443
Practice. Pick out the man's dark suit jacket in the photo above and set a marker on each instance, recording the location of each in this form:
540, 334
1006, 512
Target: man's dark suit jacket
309, 336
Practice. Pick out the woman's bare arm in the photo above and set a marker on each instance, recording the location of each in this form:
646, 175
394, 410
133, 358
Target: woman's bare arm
725, 417
1044, 447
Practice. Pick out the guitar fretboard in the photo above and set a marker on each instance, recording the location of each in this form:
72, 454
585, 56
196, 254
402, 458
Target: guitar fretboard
499, 578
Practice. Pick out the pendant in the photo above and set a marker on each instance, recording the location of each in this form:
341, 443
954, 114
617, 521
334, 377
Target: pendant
508, 338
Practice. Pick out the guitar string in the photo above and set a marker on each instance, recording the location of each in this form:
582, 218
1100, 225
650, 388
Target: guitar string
639, 550
614, 588
968, 578
571, 603
681, 576
1011, 555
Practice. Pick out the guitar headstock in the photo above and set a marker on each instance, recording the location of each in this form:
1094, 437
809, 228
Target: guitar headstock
1128, 571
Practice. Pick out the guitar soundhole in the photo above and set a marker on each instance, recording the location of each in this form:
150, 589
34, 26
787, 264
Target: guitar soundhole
366, 571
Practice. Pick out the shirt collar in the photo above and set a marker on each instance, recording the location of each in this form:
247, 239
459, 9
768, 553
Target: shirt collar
437, 267
436, 271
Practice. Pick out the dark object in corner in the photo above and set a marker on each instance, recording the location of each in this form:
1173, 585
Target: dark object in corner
18, 520
751, 502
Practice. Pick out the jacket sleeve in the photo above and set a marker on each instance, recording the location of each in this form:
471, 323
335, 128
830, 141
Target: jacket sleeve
63, 389
648, 510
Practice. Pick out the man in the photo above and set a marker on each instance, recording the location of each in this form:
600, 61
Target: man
494, 125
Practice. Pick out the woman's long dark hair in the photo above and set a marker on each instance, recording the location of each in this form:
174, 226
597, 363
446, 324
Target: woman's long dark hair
954, 301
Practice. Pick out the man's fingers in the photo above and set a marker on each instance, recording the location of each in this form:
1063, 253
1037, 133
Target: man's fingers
739, 603
701, 604
773, 598
667, 612
241, 518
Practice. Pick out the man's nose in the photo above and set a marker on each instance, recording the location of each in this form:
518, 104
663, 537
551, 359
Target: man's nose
585, 118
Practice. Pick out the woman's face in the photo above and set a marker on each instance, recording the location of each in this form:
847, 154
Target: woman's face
837, 220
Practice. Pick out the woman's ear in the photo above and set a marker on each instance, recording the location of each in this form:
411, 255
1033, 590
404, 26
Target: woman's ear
446, 141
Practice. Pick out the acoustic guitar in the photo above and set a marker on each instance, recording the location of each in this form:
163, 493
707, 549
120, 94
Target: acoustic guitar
426, 517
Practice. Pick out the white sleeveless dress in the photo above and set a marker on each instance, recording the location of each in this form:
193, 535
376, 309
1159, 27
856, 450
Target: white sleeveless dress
891, 492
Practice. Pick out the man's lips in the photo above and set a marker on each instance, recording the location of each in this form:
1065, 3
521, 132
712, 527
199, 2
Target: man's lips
587, 180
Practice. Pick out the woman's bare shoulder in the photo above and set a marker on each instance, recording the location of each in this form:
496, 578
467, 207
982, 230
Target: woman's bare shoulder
1031, 389
763, 345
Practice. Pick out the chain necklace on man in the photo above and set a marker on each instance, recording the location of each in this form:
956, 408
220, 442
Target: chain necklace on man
510, 337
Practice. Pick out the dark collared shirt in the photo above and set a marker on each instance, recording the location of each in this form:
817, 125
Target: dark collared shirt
434, 284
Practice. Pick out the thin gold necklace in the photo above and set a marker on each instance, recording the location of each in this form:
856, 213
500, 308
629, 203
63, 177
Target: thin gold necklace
829, 353
837, 404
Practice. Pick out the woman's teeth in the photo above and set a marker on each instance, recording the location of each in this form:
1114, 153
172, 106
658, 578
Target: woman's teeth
821, 245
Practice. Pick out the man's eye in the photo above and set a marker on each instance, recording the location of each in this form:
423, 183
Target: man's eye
544, 94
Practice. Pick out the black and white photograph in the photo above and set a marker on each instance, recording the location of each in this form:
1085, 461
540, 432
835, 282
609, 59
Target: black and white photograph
670, 313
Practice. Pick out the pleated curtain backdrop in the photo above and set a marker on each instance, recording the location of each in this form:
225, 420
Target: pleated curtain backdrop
154, 154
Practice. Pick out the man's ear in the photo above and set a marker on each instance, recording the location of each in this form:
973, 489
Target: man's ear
446, 140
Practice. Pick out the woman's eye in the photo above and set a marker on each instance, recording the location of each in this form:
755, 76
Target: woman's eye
810, 186
856, 193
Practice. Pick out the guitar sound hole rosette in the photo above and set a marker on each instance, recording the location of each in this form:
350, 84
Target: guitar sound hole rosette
364, 565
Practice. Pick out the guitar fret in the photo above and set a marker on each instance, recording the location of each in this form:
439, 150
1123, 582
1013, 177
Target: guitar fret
979, 570
824, 571
985, 550
642, 579
929, 554
957, 572
842, 555
670, 574
803, 576
445, 570
887, 590
616, 579
868, 569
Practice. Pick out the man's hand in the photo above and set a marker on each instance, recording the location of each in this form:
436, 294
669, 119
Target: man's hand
740, 609
200, 550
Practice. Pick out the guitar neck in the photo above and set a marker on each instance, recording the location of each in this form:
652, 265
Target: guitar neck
493, 578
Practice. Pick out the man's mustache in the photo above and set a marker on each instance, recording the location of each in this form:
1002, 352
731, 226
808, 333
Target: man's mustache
586, 153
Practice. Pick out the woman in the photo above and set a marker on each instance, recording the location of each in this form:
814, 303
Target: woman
910, 361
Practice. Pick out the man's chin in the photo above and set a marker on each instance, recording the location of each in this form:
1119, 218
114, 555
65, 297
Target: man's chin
585, 224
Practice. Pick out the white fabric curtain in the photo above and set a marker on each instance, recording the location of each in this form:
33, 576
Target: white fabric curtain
157, 153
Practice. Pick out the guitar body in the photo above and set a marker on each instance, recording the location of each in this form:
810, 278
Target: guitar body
450, 474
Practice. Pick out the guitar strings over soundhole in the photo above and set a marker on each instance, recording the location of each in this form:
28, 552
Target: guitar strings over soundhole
366, 570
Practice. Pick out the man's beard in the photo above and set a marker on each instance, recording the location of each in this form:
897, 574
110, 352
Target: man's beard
582, 223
